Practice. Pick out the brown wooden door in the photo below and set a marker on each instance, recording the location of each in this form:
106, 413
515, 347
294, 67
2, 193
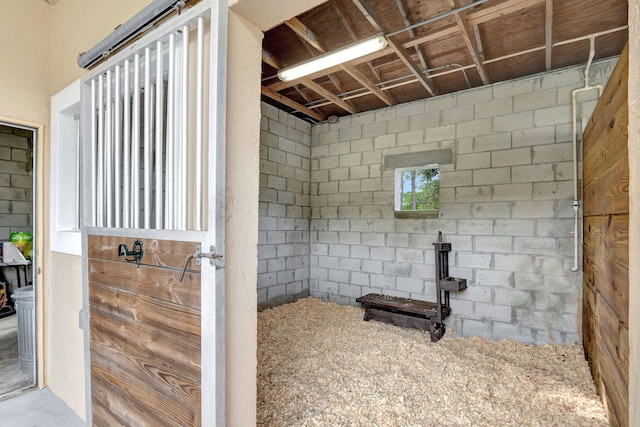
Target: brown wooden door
144, 334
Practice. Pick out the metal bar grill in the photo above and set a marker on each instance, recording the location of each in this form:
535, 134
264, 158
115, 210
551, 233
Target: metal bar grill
148, 134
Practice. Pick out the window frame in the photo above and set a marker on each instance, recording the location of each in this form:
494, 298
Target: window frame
416, 214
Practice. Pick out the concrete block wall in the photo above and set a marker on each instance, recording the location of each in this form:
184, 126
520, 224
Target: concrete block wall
16, 181
283, 239
505, 205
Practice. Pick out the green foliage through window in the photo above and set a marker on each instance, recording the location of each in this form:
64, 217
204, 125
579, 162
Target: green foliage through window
419, 189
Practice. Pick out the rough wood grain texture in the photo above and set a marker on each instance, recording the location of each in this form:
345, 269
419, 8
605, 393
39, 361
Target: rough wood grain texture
160, 253
606, 245
609, 234
145, 335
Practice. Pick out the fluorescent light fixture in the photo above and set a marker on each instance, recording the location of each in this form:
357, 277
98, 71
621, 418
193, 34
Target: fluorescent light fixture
331, 59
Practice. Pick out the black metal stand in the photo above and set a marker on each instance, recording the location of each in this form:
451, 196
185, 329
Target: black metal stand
415, 313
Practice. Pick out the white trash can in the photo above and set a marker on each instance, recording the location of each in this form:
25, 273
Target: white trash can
25, 304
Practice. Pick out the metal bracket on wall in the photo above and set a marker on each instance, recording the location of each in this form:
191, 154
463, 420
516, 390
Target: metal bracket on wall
137, 252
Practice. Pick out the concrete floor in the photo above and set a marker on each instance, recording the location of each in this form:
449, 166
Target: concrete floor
38, 408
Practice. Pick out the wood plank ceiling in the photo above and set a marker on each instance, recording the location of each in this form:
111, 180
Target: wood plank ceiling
435, 47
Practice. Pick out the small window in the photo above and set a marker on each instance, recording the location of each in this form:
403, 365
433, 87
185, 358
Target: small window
417, 192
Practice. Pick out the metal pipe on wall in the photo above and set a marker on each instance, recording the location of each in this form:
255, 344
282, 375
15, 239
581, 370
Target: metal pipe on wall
94, 156
108, 149
199, 120
135, 146
159, 125
100, 184
182, 206
574, 116
170, 159
117, 148
148, 150
126, 148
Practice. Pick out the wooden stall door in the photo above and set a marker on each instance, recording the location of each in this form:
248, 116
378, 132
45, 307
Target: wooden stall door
606, 245
144, 334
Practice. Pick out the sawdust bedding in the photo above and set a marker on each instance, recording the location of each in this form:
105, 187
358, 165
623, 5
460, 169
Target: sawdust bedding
320, 364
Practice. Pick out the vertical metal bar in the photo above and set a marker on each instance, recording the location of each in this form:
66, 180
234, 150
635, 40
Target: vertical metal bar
170, 160
147, 138
159, 134
100, 184
94, 156
78, 173
199, 121
135, 146
118, 148
108, 149
185, 130
126, 148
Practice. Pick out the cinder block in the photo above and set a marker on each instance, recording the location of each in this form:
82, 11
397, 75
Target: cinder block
513, 192
363, 118
398, 269
474, 128
473, 161
285, 276
383, 281
535, 100
473, 260
350, 264
514, 157
563, 284
533, 173
350, 133
339, 250
512, 297
559, 152
514, 332
491, 176
277, 291
361, 279
493, 108
512, 88
398, 240
328, 138
513, 227
339, 276
493, 244
328, 287
515, 121
365, 144
410, 109
533, 209
476, 328
475, 227
563, 171
408, 284
372, 266
495, 141
277, 128
374, 239
473, 194
410, 255
455, 179
352, 159
495, 312
358, 251
424, 121
329, 162
349, 238
384, 141
534, 245
549, 265
535, 136
552, 190
423, 271
398, 125
552, 116
440, 133
513, 263
410, 138
319, 249
554, 227
458, 115
491, 210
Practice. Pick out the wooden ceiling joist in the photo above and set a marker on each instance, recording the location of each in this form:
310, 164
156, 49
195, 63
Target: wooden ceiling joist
268, 58
308, 36
488, 13
402, 8
367, 11
346, 23
466, 35
548, 32
345, 105
291, 103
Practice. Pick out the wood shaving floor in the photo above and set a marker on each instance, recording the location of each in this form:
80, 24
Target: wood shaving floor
320, 364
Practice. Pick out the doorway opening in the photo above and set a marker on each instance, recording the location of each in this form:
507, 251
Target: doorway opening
17, 239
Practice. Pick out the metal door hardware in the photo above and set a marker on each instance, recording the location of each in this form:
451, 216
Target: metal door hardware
198, 255
137, 252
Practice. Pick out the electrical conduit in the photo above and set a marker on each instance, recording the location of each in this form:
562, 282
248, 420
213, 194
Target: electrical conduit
574, 113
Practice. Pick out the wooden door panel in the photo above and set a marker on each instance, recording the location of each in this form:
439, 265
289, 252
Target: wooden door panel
144, 334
